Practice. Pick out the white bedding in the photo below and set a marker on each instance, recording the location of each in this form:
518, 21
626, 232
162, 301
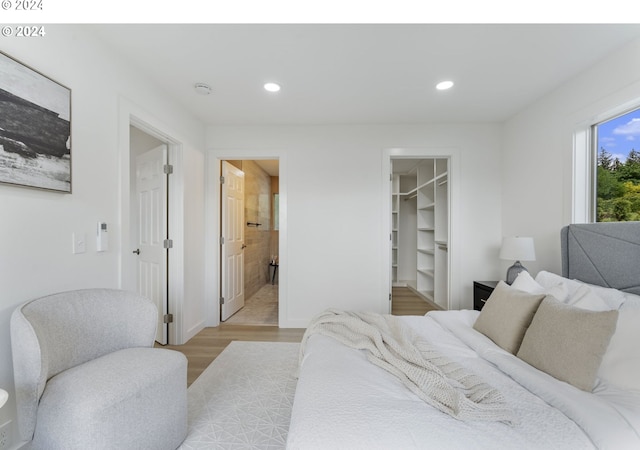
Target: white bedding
342, 401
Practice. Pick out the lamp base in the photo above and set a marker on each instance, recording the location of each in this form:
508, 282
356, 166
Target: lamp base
513, 271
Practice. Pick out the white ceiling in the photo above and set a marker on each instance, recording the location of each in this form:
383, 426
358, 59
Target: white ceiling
355, 74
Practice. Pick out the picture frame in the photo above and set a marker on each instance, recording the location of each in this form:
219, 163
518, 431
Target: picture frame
35, 128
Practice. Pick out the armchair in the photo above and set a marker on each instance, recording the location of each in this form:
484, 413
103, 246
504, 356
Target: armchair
87, 375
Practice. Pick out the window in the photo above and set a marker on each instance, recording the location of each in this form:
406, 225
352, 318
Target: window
617, 151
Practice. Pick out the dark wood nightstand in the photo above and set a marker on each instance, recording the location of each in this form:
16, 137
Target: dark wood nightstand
481, 292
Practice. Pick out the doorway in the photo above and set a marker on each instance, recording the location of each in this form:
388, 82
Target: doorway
256, 278
419, 239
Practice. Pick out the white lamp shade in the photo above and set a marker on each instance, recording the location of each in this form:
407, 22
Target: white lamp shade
518, 249
4, 396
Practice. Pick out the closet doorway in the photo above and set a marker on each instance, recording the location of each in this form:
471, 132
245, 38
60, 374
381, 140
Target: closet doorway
257, 268
420, 228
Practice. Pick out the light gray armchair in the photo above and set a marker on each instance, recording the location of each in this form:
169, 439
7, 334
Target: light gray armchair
87, 375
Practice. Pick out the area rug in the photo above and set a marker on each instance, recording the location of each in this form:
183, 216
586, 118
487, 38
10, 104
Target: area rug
243, 399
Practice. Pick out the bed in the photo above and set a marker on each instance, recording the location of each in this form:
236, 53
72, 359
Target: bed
557, 355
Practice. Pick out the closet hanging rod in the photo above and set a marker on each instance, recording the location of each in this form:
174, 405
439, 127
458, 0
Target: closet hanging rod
411, 196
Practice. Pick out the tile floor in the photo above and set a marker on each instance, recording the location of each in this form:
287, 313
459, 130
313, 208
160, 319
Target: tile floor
260, 309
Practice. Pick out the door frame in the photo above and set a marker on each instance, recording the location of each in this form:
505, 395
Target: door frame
214, 158
455, 241
130, 115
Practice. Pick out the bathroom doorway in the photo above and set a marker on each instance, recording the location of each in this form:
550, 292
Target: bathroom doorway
260, 233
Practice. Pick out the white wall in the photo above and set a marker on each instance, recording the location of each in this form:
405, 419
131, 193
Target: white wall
36, 225
538, 147
334, 210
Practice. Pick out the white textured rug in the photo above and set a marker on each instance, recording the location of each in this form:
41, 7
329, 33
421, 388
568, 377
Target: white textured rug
243, 399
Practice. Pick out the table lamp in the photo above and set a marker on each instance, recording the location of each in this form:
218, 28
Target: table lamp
518, 249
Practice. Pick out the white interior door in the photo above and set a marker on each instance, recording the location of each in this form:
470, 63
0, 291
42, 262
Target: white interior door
151, 189
232, 265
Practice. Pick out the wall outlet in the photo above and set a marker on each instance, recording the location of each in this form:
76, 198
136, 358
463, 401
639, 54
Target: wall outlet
5, 436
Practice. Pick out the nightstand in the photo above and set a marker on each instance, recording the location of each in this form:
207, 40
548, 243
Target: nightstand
481, 292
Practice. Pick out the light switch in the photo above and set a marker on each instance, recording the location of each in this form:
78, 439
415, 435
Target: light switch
79, 243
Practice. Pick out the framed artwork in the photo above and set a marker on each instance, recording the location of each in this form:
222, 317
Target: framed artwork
35, 128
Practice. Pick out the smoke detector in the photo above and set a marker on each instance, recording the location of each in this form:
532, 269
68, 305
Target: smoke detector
202, 88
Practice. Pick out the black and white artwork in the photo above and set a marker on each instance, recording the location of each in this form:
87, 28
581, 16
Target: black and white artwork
35, 128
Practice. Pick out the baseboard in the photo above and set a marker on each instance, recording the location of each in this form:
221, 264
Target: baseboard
191, 332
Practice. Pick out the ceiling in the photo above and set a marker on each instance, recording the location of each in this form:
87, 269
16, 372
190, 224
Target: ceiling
360, 74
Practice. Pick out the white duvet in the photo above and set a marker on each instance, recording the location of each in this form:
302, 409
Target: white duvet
342, 401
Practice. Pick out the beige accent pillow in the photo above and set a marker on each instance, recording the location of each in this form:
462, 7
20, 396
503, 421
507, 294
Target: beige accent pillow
568, 342
506, 316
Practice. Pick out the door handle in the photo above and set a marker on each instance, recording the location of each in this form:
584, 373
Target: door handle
136, 251
243, 247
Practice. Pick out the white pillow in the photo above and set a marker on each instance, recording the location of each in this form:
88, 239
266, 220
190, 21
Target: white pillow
612, 297
526, 283
631, 299
586, 298
620, 365
549, 279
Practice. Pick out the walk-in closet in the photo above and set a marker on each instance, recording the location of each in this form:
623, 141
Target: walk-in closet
420, 227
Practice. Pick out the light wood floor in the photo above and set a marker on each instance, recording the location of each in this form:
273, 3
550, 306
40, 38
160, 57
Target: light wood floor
204, 347
406, 303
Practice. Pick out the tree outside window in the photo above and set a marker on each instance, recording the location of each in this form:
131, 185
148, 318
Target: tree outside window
618, 169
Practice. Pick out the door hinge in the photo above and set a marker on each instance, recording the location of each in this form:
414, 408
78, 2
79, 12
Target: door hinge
221, 240
168, 169
168, 243
168, 318
389, 296
222, 300
221, 180
390, 177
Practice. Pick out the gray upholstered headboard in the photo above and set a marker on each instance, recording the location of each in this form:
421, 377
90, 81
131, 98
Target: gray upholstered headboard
605, 254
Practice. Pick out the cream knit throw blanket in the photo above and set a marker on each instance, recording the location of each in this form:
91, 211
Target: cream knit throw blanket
440, 382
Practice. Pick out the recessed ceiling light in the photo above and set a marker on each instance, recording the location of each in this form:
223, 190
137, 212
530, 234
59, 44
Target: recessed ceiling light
272, 87
202, 88
444, 85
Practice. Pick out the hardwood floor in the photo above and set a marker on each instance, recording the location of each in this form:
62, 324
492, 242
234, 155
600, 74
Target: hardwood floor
204, 347
406, 303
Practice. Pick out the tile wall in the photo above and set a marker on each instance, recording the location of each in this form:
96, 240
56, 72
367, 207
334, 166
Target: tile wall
258, 199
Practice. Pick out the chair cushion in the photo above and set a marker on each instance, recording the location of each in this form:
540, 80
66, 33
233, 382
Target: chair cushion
132, 398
